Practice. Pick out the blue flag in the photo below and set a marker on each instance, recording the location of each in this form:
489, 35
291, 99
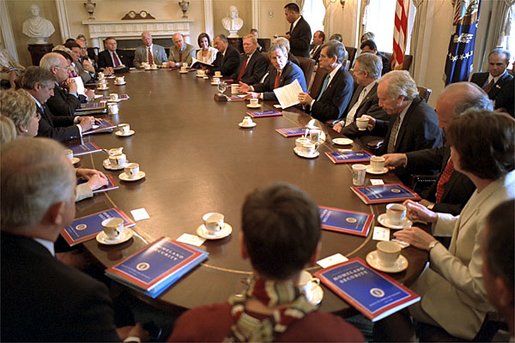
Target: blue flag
459, 59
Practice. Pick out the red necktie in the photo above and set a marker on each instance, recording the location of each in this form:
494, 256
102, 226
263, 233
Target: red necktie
488, 86
277, 81
243, 67
443, 180
150, 58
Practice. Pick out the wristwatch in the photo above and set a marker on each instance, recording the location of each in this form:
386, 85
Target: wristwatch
432, 245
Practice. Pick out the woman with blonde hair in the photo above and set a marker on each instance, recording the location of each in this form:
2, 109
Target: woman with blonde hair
7, 130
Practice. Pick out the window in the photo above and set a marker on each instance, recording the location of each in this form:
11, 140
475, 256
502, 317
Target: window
314, 12
507, 39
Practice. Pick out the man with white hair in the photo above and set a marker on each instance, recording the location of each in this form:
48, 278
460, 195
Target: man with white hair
149, 52
180, 52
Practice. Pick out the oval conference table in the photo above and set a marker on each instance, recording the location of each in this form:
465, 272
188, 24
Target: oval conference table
197, 160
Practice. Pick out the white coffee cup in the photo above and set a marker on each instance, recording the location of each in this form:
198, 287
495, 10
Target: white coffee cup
216, 80
234, 88
213, 222
377, 163
358, 174
113, 227
115, 151
113, 108
101, 76
132, 170
299, 142
124, 128
201, 72
362, 123
218, 73
388, 252
395, 213
69, 154
120, 79
118, 160
247, 121
308, 284
113, 96
254, 101
164, 65
309, 148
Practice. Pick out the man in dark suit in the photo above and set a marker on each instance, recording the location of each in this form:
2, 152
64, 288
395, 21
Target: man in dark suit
43, 299
336, 91
371, 47
254, 65
497, 82
300, 32
40, 84
452, 189
413, 124
227, 59
316, 46
281, 73
110, 60
367, 71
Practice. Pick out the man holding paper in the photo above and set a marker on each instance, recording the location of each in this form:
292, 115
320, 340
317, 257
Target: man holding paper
282, 72
336, 91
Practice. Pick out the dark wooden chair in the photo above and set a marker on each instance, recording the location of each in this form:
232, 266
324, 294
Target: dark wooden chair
307, 65
264, 43
352, 54
406, 64
424, 93
318, 80
93, 53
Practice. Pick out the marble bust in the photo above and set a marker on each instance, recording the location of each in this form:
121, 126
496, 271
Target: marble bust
233, 22
37, 28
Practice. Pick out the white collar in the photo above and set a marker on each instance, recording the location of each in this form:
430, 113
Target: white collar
490, 77
47, 244
333, 73
295, 23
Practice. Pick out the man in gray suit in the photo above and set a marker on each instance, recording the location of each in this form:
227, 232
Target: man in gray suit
149, 52
181, 51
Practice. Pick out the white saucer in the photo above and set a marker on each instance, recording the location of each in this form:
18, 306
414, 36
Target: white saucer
399, 265
126, 235
226, 231
214, 84
124, 177
75, 160
302, 154
380, 172
130, 133
343, 141
253, 106
107, 165
102, 89
120, 84
384, 221
247, 126
113, 101
183, 72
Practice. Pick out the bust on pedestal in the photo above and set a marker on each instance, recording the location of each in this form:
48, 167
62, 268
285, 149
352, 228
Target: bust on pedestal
233, 22
37, 28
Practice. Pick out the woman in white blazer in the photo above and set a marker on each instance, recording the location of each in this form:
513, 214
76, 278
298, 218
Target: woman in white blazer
207, 53
452, 292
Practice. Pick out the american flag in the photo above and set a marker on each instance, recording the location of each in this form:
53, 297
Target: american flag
400, 32
459, 59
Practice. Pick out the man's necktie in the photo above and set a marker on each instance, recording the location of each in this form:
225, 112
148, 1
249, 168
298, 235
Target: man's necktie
277, 81
443, 180
393, 135
116, 60
324, 87
354, 108
243, 67
180, 56
150, 58
488, 86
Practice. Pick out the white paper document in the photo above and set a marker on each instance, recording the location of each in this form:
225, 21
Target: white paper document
80, 85
289, 95
140, 214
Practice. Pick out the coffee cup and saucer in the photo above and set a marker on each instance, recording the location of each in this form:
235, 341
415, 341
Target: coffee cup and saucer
132, 173
387, 258
124, 130
120, 81
114, 232
254, 103
214, 226
102, 87
310, 286
395, 217
115, 162
215, 81
342, 141
376, 166
247, 123
305, 148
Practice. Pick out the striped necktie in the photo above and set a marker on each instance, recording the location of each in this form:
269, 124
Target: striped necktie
393, 135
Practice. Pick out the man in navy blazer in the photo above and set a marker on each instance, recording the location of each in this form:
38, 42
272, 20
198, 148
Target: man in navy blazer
497, 82
253, 65
300, 31
110, 60
336, 92
281, 73
227, 59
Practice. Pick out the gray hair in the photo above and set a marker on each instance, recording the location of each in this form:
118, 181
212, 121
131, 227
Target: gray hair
34, 175
468, 95
50, 60
336, 49
282, 42
35, 75
400, 83
275, 47
370, 64
500, 51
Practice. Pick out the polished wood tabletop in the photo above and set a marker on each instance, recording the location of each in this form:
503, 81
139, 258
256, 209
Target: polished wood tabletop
197, 160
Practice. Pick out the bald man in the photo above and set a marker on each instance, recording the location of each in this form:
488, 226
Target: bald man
180, 52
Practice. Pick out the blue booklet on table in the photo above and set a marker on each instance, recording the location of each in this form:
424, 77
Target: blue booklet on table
111, 184
354, 223
292, 132
84, 149
86, 228
374, 294
380, 194
349, 156
263, 114
100, 126
157, 266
